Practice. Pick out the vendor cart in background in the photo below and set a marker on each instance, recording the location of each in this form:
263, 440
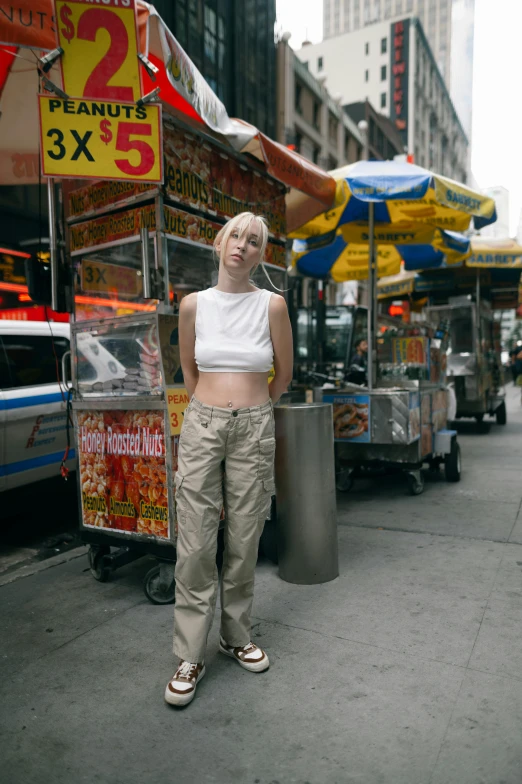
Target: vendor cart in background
474, 365
135, 252
402, 422
400, 418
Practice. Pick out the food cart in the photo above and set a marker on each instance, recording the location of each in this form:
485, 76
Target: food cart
401, 423
474, 366
135, 251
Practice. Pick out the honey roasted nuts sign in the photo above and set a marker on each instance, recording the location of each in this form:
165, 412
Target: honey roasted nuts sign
123, 471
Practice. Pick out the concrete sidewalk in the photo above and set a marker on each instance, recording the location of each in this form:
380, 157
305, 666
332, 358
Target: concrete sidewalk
405, 670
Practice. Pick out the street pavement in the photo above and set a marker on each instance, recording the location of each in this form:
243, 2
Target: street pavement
407, 669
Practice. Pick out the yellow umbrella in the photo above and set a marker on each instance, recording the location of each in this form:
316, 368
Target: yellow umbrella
495, 253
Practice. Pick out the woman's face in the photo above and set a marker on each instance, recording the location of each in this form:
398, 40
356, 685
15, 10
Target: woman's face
242, 253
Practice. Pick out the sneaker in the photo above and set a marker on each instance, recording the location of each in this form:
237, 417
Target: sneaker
182, 688
248, 656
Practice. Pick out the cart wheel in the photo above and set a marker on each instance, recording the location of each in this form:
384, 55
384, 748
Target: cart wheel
99, 570
415, 483
501, 414
452, 465
344, 480
479, 418
160, 591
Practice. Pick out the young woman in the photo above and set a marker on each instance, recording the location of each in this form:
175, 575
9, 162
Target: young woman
230, 336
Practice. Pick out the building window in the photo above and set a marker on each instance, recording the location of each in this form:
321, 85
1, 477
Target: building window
315, 155
366, 48
409, 6
298, 92
384, 45
317, 110
383, 73
305, 63
32, 360
366, 75
319, 63
383, 100
298, 142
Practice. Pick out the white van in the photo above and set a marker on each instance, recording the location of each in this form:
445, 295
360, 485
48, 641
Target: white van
33, 415
33, 395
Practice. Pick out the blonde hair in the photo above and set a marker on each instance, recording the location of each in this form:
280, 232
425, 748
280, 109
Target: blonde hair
241, 223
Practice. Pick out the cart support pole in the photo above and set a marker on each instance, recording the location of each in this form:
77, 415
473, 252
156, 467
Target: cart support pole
53, 251
371, 296
145, 263
479, 320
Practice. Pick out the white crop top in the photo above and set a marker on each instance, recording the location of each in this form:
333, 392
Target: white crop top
233, 332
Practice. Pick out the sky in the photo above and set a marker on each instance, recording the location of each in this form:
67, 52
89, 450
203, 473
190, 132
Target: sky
496, 152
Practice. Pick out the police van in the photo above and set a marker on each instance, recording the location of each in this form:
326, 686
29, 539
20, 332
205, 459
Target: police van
33, 397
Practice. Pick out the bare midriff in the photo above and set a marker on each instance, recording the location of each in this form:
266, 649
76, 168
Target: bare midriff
242, 390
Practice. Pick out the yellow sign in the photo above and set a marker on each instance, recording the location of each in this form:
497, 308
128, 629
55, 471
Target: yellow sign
100, 44
100, 139
177, 401
410, 351
109, 278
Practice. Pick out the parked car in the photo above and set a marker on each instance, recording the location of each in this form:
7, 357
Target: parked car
33, 397
33, 413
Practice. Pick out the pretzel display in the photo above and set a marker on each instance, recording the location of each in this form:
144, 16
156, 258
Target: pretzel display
350, 420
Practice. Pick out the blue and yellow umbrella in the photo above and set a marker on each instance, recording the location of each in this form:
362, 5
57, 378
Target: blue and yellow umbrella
404, 209
401, 193
343, 255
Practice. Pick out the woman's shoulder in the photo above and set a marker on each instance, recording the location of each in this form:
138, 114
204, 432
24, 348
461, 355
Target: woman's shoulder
277, 302
188, 304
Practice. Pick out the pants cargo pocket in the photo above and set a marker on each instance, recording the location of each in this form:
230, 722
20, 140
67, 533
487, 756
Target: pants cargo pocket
266, 459
266, 475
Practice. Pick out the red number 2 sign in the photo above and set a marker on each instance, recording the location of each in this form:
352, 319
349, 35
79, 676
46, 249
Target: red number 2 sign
100, 46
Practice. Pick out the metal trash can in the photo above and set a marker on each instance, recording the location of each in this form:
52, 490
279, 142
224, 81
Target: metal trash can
305, 494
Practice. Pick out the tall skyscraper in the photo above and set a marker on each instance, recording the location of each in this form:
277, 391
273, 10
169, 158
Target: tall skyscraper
345, 16
462, 34
232, 43
391, 65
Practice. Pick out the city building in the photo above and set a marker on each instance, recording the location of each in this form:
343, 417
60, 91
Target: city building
448, 25
462, 36
519, 229
346, 16
308, 118
231, 42
500, 228
384, 140
392, 66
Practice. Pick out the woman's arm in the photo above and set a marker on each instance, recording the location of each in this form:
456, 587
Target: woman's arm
187, 341
281, 334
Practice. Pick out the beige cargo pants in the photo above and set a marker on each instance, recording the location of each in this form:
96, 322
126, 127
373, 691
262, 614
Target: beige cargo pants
242, 443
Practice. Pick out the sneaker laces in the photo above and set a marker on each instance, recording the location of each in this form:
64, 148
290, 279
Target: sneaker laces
185, 670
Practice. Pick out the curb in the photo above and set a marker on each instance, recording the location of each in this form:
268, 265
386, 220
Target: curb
35, 568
